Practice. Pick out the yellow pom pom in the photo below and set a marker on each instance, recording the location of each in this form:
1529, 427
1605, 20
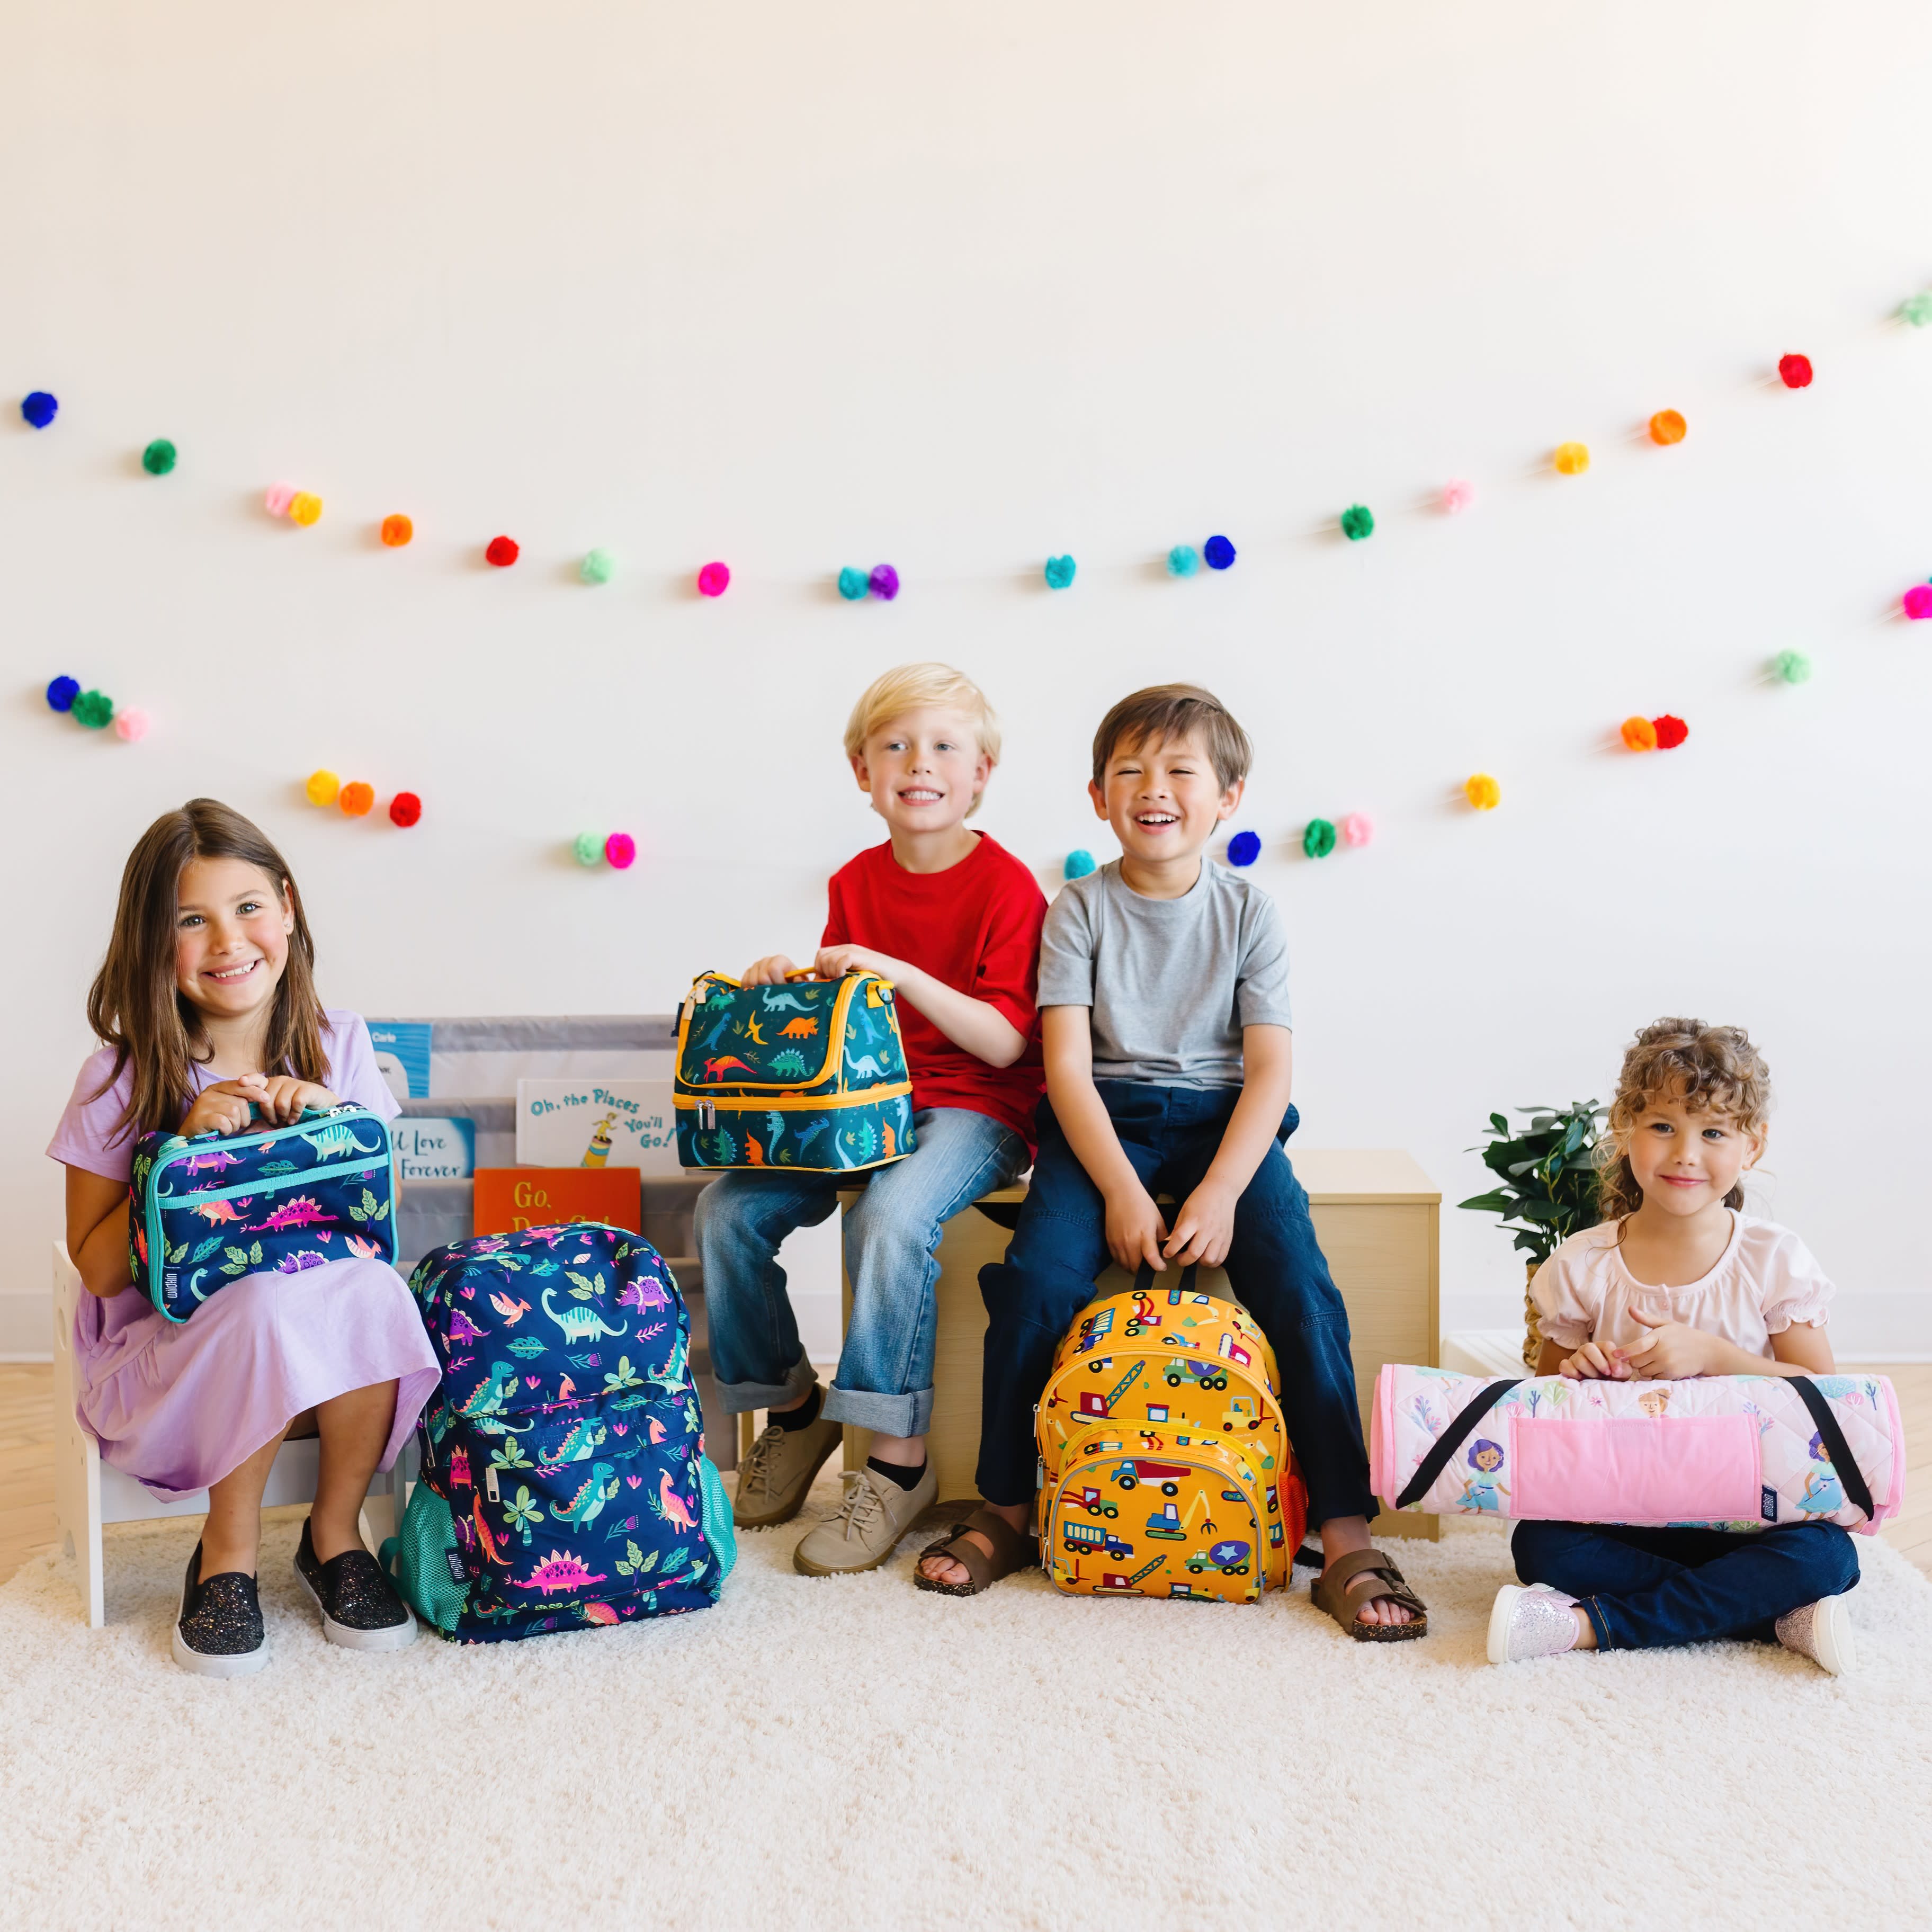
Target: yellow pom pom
1572, 458
1482, 792
1639, 734
323, 787
304, 508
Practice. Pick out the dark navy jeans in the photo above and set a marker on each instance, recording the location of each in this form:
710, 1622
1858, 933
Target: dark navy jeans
1642, 1588
1276, 1268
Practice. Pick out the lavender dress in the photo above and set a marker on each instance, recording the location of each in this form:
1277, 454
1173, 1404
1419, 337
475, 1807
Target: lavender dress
179, 1405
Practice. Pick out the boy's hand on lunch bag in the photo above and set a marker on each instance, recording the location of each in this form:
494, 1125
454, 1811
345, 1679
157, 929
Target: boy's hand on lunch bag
1203, 1230
224, 1108
834, 962
769, 971
1135, 1230
283, 1097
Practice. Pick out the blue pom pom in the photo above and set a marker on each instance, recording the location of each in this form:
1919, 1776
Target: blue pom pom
1078, 864
40, 409
1245, 848
62, 692
1219, 552
852, 584
1059, 572
1183, 560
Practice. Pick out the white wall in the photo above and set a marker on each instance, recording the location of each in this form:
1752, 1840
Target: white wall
958, 287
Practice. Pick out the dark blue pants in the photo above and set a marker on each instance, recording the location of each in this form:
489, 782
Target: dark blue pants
1642, 1588
1276, 1268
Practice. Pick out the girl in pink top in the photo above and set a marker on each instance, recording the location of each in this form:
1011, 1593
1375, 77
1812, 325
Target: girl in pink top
206, 1003
1676, 1282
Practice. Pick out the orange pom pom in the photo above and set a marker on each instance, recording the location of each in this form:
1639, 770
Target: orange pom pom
1482, 792
397, 531
1667, 426
356, 798
1639, 734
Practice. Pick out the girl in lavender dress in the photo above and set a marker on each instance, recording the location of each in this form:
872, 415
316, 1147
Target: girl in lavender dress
206, 1005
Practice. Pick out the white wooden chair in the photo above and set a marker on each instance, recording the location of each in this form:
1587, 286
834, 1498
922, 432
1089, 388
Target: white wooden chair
87, 1492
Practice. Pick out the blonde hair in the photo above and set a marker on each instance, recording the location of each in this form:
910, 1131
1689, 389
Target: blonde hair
1709, 1069
920, 687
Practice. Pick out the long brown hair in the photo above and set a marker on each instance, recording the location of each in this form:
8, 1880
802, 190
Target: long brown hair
1709, 1068
133, 1005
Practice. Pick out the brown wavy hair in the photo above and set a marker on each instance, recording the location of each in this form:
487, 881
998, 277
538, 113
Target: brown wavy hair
1712, 1069
133, 1005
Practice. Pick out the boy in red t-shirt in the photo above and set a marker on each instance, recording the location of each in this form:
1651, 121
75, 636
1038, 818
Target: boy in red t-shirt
952, 920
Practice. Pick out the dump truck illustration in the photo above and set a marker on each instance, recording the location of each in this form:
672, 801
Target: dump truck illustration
1093, 1328
1164, 1523
1089, 1537
1166, 1475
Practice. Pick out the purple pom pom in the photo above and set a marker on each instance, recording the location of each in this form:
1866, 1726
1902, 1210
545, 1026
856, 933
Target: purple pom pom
884, 582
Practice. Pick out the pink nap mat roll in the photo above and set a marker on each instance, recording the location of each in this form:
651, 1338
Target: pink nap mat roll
1725, 1452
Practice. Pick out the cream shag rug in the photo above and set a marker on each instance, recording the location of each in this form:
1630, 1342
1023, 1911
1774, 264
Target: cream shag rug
857, 1753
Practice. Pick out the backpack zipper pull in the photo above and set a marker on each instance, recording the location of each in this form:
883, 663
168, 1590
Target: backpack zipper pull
489, 1484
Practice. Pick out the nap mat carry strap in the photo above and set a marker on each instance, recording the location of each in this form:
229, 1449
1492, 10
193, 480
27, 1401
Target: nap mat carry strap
1844, 1463
1452, 1438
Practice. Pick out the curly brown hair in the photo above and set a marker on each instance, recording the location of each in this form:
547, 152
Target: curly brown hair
1709, 1068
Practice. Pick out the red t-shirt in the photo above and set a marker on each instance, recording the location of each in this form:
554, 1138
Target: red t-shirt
975, 928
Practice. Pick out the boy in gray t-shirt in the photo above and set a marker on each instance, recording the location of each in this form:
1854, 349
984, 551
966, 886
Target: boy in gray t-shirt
1163, 993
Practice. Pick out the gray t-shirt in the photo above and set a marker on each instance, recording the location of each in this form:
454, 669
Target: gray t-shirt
1171, 981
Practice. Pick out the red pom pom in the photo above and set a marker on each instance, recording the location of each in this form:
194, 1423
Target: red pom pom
405, 808
1671, 732
503, 552
1795, 371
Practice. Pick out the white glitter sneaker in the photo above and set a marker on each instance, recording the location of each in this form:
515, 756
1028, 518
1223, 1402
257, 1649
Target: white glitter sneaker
1822, 1632
1531, 1621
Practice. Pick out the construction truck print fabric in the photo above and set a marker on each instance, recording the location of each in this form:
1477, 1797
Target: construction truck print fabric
810, 1075
1165, 1469
1736, 1453
205, 1211
564, 1479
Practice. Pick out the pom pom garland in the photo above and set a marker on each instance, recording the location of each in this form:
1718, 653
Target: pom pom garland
1318, 840
1358, 828
1357, 521
1457, 495
131, 726
1917, 309
1482, 792
305, 508
1059, 572
620, 849
1244, 848
405, 808
1795, 372
1667, 426
39, 409
1792, 667
503, 552
599, 566
323, 788
587, 848
356, 798
884, 582
397, 531
1918, 601
62, 692
1183, 560
277, 497
1671, 732
852, 584
94, 709
1639, 734
1078, 864
158, 458
714, 579
1218, 554
1572, 459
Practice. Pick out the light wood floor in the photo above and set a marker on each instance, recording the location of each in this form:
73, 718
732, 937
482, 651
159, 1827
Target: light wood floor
27, 1468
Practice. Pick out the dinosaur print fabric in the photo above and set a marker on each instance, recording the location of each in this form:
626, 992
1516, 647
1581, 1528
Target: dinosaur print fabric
204, 1211
564, 1478
810, 1075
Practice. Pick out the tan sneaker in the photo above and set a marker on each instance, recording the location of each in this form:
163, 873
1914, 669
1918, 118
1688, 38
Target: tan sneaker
772, 1482
875, 1514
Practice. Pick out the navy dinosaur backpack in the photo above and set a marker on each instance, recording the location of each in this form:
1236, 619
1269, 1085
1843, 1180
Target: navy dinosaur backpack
564, 1480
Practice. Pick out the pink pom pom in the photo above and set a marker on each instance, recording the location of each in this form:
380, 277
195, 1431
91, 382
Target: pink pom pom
1358, 828
280, 497
130, 725
1458, 495
713, 579
1918, 601
620, 848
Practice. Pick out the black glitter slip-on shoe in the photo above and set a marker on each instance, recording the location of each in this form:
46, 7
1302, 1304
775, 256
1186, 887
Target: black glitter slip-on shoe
218, 1632
360, 1609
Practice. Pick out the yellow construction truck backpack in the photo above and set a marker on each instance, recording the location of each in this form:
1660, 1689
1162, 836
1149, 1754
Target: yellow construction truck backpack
1165, 1468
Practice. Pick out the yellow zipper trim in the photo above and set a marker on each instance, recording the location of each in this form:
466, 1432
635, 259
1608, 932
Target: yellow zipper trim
834, 1044
760, 1103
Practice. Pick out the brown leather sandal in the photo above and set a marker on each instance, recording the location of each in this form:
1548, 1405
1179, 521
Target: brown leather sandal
1011, 1552
1355, 1580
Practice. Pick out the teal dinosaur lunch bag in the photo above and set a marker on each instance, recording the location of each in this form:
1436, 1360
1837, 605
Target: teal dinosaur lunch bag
810, 1075
205, 1211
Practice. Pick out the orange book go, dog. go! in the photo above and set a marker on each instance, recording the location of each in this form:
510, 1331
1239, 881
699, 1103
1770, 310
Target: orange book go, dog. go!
509, 1199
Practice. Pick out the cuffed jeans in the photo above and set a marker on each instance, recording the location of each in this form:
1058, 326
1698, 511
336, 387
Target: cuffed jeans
1275, 1266
884, 1381
1643, 1588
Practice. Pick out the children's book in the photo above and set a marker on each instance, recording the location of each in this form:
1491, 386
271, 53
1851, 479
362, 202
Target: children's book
511, 1199
593, 1123
402, 1056
434, 1149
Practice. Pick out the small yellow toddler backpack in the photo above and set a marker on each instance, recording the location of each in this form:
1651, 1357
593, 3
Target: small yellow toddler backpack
1165, 1468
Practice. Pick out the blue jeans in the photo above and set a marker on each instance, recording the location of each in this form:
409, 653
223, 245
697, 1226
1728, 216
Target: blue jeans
884, 1381
1275, 1266
1642, 1588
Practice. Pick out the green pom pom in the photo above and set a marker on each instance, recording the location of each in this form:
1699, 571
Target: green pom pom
1318, 841
589, 848
94, 709
598, 567
1357, 522
1917, 309
158, 458
1794, 667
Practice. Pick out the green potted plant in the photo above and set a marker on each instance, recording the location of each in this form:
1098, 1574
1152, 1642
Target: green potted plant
1548, 1191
